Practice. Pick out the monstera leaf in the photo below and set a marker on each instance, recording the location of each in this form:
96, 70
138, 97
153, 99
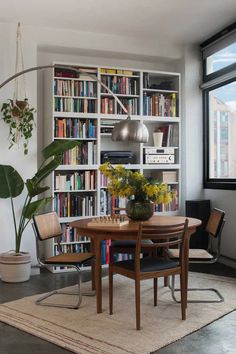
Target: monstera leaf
11, 183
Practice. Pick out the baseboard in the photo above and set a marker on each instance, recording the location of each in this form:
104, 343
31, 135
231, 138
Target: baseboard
230, 262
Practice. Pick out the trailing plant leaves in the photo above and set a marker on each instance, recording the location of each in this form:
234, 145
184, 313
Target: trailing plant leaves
58, 147
33, 189
35, 206
11, 184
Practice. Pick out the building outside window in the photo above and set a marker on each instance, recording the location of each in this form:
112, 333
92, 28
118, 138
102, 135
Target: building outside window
219, 101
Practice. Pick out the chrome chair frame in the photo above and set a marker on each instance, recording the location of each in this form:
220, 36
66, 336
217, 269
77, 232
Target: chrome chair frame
41, 264
215, 258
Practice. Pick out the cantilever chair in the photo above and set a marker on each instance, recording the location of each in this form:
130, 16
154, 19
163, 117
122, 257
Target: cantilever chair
47, 226
153, 267
214, 229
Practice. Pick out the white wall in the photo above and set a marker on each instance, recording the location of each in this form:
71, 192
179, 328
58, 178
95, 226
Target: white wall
26, 166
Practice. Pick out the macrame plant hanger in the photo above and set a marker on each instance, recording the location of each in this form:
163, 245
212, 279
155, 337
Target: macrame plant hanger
19, 66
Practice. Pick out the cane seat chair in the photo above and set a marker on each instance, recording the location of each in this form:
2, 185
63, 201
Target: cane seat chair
214, 229
153, 267
47, 226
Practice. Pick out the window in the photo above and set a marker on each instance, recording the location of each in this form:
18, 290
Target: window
219, 103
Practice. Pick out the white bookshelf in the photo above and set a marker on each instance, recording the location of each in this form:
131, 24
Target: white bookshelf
101, 120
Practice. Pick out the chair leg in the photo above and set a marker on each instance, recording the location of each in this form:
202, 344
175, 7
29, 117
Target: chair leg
110, 290
173, 290
137, 303
166, 281
183, 295
58, 292
155, 290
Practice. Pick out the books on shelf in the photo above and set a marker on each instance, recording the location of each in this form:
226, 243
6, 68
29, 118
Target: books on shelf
110, 106
71, 204
75, 128
82, 88
121, 85
83, 154
160, 104
70, 234
80, 180
75, 105
170, 134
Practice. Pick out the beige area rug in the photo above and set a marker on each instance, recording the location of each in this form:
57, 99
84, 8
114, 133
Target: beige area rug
84, 332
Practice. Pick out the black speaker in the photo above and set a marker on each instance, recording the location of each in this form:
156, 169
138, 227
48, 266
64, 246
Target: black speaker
199, 209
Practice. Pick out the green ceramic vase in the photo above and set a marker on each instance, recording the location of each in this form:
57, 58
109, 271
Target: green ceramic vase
139, 210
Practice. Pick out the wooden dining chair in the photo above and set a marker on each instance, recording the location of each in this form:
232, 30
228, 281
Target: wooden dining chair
47, 226
123, 247
214, 229
154, 267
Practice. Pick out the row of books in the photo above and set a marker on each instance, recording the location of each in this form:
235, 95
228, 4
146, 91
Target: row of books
83, 154
109, 106
77, 105
116, 71
73, 248
73, 72
103, 180
121, 85
108, 203
75, 88
70, 234
82, 180
69, 204
75, 128
170, 134
159, 104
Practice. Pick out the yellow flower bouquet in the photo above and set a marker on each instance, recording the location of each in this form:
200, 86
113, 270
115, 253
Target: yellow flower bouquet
139, 190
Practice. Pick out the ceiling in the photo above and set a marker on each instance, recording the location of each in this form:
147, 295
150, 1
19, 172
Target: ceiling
182, 21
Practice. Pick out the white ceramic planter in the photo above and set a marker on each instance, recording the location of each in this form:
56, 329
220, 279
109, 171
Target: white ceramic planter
15, 267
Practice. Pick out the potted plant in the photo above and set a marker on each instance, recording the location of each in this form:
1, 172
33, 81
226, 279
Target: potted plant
140, 191
20, 118
15, 265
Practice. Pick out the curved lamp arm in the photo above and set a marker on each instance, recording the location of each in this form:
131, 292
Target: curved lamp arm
94, 77
125, 130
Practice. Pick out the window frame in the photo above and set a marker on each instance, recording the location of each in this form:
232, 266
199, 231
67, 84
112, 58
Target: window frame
211, 82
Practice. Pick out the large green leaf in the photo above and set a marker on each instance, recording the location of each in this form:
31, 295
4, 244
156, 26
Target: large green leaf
58, 147
11, 183
34, 207
33, 189
45, 171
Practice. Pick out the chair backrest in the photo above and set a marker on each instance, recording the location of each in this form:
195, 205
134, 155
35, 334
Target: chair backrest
47, 226
163, 236
215, 222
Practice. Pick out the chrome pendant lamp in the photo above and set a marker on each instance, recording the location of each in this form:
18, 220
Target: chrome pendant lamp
125, 130
130, 130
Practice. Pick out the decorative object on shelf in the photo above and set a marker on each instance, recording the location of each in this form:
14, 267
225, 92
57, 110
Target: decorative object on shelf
11, 186
125, 130
158, 138
140, 191
17, 112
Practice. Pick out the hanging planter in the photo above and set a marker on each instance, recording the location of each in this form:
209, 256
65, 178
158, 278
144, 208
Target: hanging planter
17, 112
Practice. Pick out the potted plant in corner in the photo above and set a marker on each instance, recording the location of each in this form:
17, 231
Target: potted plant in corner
15, 265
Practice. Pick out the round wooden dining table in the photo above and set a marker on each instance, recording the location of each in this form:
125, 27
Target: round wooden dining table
126, 232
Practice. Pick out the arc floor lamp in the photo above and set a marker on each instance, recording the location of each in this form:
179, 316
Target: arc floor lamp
125, 130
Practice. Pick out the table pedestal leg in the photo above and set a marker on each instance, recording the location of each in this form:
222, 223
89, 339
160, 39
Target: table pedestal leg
98, 274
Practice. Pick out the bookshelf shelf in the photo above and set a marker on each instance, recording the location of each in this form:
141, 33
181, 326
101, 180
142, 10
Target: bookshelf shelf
73, 104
